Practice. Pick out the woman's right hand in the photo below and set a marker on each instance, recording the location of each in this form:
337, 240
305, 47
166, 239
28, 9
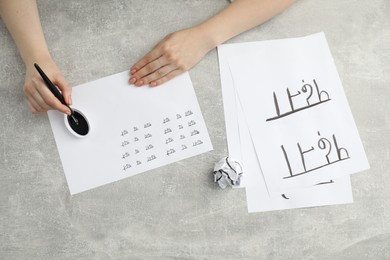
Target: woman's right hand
38, 96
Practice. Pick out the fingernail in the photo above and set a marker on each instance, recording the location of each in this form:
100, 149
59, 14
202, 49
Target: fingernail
68, 113
70, 100
141, 82
133, 80
153, 84
132, 71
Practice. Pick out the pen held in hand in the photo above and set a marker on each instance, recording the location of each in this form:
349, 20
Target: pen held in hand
55, 91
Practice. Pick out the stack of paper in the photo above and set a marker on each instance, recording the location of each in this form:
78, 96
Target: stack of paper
290, 124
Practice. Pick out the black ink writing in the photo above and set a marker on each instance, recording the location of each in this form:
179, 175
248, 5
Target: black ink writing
195, 132
322, 144
125, 155
198, 142
169, 140
124, 132
321, 97
191, 123
188, 113
124, 143
326, 182
151, 158
126, 166
170, 151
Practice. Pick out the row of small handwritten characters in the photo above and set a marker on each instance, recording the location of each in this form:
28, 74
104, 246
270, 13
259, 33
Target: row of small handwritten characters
169, 129
150, 146
153, 157
178, 116
165, 120
136, 139
138, 162
166, 131
184, 147
136, 151
167, 141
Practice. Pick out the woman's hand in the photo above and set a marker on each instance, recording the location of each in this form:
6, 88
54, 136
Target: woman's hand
38, 96
181, 50
22, 20
175, 54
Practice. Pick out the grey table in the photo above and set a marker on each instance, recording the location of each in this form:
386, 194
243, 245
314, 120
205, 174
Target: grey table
176, 211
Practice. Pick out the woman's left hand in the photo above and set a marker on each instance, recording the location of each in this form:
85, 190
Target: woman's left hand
175, 54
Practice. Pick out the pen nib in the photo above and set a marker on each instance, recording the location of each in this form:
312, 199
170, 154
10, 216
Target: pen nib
75, 119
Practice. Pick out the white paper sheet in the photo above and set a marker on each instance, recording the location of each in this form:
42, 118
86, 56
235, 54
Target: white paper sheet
338, 191
230, 106
239, 141
297, 113
133, 129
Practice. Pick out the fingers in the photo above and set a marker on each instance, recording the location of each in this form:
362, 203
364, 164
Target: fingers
65, 88
173, 55
139, 79
47, 100
153, 71
166, 78
34, 107
159, 73
30, 107
148, 58
40, 99
157, 69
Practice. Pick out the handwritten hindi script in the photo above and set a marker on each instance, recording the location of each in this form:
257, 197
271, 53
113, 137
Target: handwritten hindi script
297, 113
133, 129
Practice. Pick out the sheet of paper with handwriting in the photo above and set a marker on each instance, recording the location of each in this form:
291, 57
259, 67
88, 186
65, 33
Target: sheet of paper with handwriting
298, 116
240, 146
133, 129
331, 192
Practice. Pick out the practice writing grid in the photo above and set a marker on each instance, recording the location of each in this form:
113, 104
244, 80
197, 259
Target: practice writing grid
175, 134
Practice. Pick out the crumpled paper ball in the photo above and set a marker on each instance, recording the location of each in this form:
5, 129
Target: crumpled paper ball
227, 172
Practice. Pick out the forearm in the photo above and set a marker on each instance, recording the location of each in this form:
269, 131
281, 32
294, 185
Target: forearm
22, 20
239, 17
181, 50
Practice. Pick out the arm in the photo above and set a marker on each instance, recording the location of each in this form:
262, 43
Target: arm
181, 50
22, 20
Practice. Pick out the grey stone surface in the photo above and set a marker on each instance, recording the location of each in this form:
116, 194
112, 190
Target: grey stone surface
176, 212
